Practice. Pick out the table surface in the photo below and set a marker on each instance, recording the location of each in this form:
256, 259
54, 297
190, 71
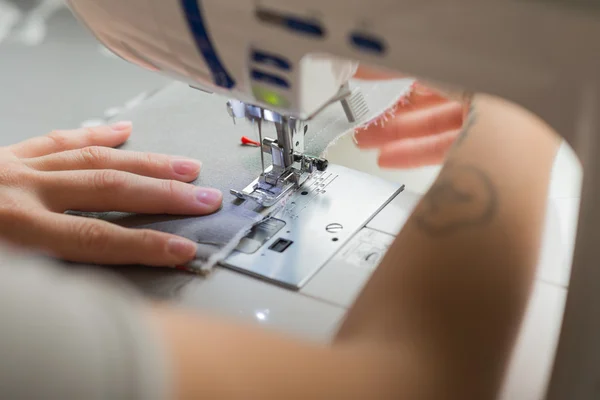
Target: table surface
54, 70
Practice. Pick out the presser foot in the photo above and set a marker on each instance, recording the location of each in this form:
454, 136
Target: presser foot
269, 188
276, 182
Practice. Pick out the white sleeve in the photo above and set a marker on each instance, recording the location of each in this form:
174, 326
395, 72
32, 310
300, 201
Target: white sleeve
65, 335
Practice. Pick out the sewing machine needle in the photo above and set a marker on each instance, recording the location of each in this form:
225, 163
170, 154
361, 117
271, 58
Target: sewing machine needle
262, 156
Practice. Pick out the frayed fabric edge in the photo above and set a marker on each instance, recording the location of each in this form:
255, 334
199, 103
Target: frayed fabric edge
380, 118
205, 267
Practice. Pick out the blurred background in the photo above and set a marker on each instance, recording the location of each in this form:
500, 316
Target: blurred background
54, 74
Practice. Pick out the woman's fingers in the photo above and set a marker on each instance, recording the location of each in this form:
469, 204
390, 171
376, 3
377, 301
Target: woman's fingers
110, 190
57, 141
88, 240
419, 97
425, 122
417, 152
96, 157
421, 130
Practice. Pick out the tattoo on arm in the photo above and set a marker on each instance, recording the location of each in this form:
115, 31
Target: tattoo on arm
463, 197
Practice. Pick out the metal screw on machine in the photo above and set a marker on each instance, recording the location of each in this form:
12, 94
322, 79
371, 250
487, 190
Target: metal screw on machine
310, 163
321, 164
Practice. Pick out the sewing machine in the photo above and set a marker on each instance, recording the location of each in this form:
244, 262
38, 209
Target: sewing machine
268, 57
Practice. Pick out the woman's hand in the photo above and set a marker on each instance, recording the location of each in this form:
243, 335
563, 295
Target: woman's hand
78, 170
417, 132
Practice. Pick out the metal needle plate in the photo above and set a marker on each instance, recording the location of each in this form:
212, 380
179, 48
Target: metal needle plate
317, 220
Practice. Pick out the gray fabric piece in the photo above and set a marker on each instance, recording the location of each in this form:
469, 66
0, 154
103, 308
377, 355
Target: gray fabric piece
182, 121
74, 335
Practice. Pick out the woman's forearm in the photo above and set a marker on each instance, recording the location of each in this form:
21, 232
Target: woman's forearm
456, 281
439, 316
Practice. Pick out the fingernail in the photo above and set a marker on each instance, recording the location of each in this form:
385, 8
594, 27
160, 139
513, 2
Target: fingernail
181, 248
210, 197
121, 126
185, 167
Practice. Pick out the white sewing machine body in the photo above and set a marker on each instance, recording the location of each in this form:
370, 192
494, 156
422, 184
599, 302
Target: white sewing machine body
209, 46
539, 54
